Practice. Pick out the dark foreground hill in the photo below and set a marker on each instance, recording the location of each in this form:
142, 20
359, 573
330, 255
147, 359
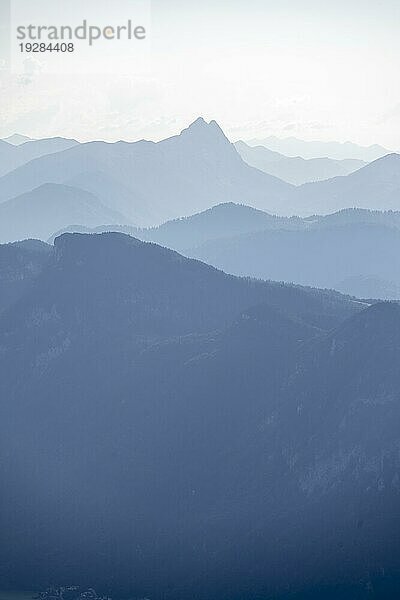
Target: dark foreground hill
169, 431
20, 265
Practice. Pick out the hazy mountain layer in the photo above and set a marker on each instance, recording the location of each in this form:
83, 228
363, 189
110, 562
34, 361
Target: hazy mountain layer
293, 147
221, 221
13, 155
47, 208
148, 183
151, 182
339, 257
295, 170
354, 251
375, 186
17, 139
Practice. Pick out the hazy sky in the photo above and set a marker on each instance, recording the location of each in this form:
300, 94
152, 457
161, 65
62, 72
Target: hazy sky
313, 69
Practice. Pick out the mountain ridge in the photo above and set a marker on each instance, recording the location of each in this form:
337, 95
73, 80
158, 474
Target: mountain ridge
293, 146
14, 156
248, 242
296, 170
193, 413
36, 212
187, 166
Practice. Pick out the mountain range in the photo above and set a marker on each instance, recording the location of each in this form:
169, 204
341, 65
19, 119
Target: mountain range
353, 251
170, 431
151, 182
358, 259
375, 186
17, 139
295, 170
43, 210
294, 147
13, 156
147, 183
221, 221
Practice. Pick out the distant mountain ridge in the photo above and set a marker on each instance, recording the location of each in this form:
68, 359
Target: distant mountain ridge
293, 147
223, 220
39, 212
150, 182
17, 139
353, 251
14, 156
358, 259
296, 170
375, 186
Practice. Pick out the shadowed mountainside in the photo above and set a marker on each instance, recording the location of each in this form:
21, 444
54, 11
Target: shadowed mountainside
178, 432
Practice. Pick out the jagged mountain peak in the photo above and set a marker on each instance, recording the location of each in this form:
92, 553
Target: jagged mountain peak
208, 130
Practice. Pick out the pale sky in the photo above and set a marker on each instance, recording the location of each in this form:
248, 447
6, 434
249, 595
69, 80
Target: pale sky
325, 70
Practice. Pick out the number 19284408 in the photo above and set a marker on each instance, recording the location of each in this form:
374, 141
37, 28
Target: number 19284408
42, 47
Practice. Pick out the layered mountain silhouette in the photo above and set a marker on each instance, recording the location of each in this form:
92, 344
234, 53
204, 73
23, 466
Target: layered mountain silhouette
14, 155
172, 431
294, 147
40, 212
295, 170
148, 183
17, 139
221, 221
360, 259
151, 182
354, 251
375, 186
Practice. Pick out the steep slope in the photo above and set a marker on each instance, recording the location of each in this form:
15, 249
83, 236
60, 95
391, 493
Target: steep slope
340, 412
38, 213
155, 182
295, 170
166, 277
375, 186
179, 433
325, 508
